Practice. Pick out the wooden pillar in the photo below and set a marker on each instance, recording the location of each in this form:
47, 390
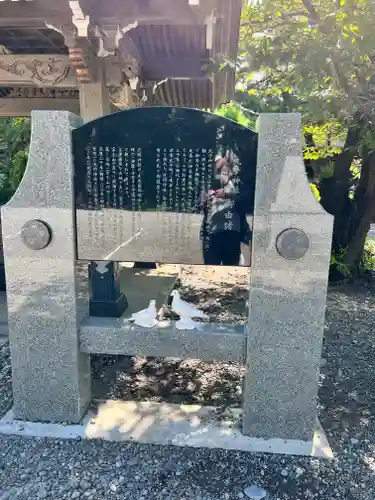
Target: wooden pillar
93, 101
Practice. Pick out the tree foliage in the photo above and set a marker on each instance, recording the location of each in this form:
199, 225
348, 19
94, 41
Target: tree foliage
14, 146
318, 58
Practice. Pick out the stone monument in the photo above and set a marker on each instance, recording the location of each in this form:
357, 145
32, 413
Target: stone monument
95, 203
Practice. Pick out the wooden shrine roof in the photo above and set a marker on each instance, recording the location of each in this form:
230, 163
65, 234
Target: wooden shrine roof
171, 39
32, 40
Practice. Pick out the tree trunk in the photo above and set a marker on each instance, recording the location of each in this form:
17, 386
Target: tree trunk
335, 190
364, 202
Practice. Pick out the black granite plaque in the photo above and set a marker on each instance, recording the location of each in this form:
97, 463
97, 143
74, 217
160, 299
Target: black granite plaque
163, 184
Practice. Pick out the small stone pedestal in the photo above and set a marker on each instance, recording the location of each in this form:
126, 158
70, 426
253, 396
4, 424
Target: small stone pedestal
106, 299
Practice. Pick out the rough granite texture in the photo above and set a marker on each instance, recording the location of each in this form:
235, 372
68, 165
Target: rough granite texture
212, 341
46, 302
287, 297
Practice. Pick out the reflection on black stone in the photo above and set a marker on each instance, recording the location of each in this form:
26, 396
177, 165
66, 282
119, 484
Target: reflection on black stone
224, 225
165, 185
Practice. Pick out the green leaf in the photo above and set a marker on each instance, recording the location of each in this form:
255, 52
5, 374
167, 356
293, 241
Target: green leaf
315, 191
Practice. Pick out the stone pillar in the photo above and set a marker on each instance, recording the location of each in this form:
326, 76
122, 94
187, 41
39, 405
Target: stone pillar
106, 299
289, 272
2, 267
46, 290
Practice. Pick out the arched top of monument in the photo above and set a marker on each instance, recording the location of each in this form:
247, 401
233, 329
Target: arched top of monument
161, 115
179, 144
154, 130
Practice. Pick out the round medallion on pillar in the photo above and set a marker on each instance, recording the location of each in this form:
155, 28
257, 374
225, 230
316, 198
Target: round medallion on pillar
36, 234
292, 244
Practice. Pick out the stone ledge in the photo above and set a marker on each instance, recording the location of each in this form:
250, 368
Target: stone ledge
212, 341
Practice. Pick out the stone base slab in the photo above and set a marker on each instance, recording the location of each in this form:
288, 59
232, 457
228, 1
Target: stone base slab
168, 424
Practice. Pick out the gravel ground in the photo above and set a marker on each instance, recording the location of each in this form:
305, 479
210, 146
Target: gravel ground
5, 380
38, 468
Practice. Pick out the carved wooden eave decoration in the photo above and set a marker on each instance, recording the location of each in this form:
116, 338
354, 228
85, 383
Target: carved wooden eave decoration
58, 71
38, 93
80, 61
81, 52
51, 71
80, 49
80, 19
115, 44
124, 97
20, 101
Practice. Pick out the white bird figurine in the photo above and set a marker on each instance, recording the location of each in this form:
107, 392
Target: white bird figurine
146, 317
184, 309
